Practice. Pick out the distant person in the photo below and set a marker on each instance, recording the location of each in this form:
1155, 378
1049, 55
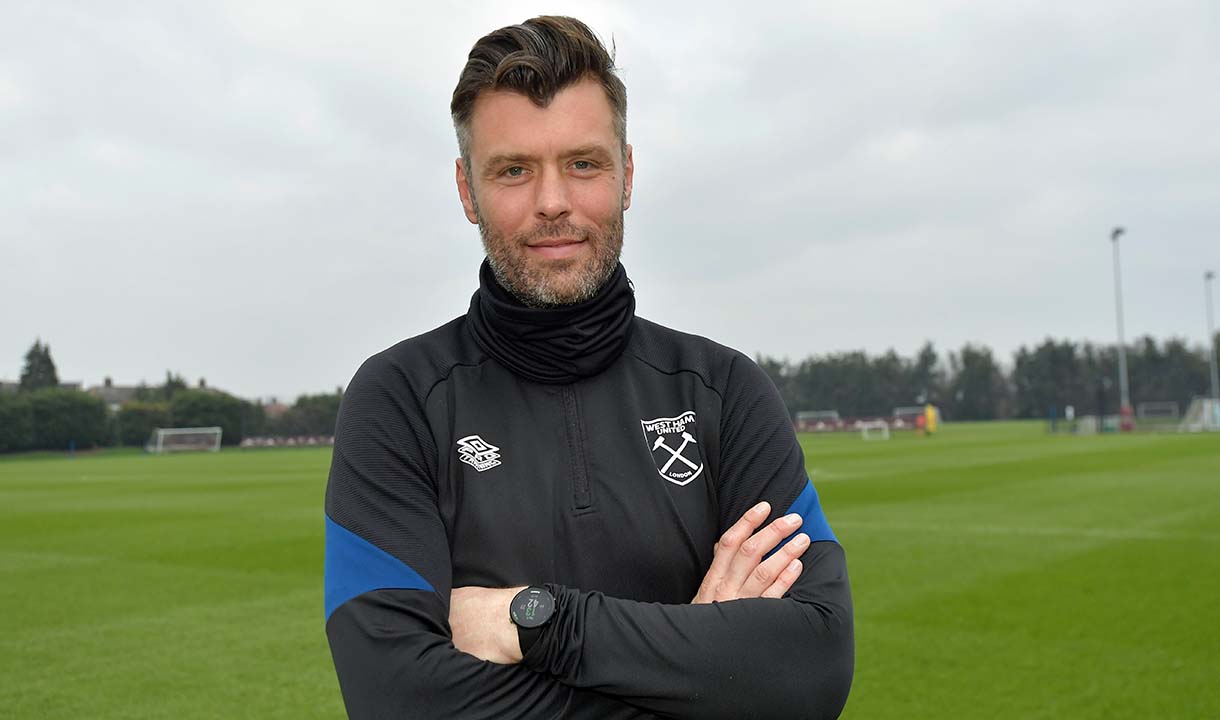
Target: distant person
550, 507
931, 418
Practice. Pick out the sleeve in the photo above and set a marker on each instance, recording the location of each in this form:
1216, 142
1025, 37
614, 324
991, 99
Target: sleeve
754, 658
388, 578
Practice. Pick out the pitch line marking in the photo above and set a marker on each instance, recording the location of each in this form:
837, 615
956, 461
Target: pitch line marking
1084, 533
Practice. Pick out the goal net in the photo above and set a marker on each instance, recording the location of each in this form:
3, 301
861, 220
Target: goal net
816, 420
1203, 414
1160, 414
907, 417
164, 440
875, 430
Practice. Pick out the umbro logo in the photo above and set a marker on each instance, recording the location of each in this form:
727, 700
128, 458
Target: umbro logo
478, 453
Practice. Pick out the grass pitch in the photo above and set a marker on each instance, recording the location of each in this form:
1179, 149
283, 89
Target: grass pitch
997, 572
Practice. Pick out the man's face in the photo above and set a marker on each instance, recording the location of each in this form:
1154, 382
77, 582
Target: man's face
547, 188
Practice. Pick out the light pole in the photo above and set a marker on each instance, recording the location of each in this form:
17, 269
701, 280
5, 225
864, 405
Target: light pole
1124, 395
1211, 333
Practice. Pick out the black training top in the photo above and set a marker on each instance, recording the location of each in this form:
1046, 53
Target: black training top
602, 455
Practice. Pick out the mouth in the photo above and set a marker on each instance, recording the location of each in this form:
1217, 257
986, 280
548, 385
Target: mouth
555, 248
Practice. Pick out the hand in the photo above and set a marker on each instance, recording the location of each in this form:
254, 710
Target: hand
736, 570
481, 625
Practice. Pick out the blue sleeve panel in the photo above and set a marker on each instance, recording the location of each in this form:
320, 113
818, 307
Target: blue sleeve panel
354, 566
815, 526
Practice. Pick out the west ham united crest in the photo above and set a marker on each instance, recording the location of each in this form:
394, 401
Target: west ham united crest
674, 448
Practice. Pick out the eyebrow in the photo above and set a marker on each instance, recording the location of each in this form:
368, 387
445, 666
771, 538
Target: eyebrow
594, 150
597, 151
503, 159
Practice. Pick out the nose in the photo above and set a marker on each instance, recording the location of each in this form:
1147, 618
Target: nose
552, 201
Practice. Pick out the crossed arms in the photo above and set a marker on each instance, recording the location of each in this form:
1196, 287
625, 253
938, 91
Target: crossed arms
740, 569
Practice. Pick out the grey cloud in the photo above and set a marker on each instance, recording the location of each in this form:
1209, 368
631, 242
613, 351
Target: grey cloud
262, 193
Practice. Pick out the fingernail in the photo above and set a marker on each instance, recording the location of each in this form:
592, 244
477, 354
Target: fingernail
759, 509
794, 566
792, 519
800, 540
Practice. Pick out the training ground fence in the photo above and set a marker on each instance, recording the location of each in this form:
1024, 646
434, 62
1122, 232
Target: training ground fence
290, 441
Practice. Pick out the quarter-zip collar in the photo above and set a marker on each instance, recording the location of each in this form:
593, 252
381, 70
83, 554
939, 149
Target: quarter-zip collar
553, 345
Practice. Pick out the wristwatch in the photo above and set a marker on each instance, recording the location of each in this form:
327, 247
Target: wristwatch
530, 610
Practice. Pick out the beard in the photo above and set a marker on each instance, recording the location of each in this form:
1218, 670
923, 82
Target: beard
553, 283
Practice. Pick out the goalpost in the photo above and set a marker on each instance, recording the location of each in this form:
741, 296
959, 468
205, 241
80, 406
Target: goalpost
1203, 414
815, 420
1157, 414
907, 416
875, 430
165, 440
1158, 409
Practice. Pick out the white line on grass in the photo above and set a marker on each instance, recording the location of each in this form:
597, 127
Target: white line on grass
1045, 531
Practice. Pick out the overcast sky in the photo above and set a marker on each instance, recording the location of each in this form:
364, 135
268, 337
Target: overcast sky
262, 193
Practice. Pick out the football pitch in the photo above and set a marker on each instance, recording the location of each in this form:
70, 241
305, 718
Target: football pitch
997, 572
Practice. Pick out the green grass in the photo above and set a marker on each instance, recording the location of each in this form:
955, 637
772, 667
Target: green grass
186, 586
997, 572
1001, 572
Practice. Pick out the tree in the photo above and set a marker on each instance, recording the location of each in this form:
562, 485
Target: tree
979, 390
311, 415
927, 378
16, 422
39, 371
64, 418
1172, 371
1050, 377
173, 385
855, 384
205, 408
136, 420
1045, 378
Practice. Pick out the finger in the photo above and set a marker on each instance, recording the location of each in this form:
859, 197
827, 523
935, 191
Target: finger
727, 546
751, 552
784, 582
768, 571
732, 538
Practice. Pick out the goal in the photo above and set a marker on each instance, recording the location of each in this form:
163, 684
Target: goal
164, 440
875, 430
817, 420
1203, 414
1157, 410
1159, 414
907, 417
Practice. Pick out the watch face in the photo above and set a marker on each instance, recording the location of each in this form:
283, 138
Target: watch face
532, 607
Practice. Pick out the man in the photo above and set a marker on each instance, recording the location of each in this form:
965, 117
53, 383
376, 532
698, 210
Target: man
549, 507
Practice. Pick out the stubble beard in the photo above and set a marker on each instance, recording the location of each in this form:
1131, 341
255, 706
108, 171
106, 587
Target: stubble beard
554, 283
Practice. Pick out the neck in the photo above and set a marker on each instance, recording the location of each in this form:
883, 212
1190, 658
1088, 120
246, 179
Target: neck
553, 344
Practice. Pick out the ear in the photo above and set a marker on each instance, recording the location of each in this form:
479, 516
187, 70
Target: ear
464, 192
628, 177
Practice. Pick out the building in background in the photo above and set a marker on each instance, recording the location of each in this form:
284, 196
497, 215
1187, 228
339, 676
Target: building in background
113, 395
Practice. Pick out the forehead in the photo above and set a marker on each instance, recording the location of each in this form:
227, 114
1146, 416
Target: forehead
506, 123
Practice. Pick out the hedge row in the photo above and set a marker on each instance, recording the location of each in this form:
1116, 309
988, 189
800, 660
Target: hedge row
56, 419
51, 419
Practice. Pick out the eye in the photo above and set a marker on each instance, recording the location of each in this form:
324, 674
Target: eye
515, 171
582, 165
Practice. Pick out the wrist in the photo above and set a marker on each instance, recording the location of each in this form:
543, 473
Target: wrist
531, 612
509, 639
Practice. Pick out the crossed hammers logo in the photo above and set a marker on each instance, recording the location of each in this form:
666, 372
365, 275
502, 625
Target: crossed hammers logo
675, 454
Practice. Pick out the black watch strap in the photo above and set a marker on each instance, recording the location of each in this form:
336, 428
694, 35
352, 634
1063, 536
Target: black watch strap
531, 611
528, 637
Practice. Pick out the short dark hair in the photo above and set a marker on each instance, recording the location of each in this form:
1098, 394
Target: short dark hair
537, 58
